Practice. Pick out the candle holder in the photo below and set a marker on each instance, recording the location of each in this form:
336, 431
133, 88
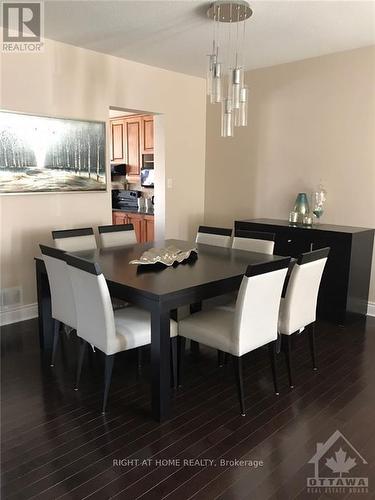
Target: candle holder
318, 199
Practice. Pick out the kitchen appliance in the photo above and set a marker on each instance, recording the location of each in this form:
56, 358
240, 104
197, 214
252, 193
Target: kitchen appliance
118, 169
149, 205
141, 204
125, 200
147, 177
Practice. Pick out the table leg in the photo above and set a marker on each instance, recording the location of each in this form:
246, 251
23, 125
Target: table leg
160, 364
194, 346
44, 308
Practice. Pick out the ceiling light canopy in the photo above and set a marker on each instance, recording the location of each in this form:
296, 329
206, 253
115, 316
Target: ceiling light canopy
225, 74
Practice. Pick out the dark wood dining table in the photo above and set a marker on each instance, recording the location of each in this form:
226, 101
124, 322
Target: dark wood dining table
159, 289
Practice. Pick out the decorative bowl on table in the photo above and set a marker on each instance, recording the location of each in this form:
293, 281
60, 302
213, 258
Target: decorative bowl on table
167, 256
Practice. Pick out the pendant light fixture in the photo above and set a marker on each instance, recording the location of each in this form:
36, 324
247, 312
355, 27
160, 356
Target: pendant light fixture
225, 72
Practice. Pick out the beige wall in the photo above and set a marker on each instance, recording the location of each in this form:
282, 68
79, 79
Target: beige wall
309, 120
67, 81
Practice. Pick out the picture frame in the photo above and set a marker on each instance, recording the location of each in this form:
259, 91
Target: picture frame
41, 154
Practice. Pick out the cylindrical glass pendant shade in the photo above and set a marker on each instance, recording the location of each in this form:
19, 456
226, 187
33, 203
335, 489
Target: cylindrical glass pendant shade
235, 87
210, 72
226, 63
227, 118
241, 115
216, 83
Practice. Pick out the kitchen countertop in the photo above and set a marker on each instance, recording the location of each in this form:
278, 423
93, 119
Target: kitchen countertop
142, 212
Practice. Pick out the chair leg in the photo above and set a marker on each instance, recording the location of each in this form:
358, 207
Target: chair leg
220, 358
278, 343
56, 337
237, 365
107, 379
181, 355
91, 355
311, 334
288, 358
272, 351
174, 363
194, 346
81, 355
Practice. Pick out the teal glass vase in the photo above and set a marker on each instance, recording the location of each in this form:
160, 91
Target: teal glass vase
301, 205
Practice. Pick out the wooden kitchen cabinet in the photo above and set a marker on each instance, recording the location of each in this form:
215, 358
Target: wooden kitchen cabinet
137, 221
149, 231
133, 146
143, 224
147, 134
119, 217
131, 137
118, 150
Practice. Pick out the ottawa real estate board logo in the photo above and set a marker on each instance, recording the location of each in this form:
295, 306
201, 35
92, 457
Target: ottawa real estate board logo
23, 24
338, 468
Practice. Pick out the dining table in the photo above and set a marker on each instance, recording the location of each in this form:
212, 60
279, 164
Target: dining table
211, 271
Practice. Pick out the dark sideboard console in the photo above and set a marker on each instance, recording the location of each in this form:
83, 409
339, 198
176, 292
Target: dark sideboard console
346, 280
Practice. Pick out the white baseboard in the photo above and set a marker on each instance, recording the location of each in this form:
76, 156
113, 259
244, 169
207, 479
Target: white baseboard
19, 313
371, 309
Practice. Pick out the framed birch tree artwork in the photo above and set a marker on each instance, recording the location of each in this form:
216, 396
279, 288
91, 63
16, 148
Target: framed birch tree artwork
40, 154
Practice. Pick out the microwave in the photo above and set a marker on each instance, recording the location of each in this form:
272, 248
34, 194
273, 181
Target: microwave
147, 177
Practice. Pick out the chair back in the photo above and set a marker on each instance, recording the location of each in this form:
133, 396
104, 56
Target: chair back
74, 240
62, 300
254, 241
257, 307
95, 318
216, 236
117, 235
299, 304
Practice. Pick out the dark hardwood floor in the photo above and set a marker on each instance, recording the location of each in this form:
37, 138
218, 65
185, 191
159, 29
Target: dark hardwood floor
56, 444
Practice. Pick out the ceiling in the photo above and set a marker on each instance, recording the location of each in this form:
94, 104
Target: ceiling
114, 113
176, 34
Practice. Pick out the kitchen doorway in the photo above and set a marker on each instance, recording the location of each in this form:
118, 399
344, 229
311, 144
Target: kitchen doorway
137, 158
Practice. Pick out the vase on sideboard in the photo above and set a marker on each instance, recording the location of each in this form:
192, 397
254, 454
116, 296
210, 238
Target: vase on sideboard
301, 206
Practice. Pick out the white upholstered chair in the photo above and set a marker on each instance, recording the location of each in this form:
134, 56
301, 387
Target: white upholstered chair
97, 324
250, 241
252, 324
62, 300
117, 235
216, 236
298, 306
253, 241
74, 240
